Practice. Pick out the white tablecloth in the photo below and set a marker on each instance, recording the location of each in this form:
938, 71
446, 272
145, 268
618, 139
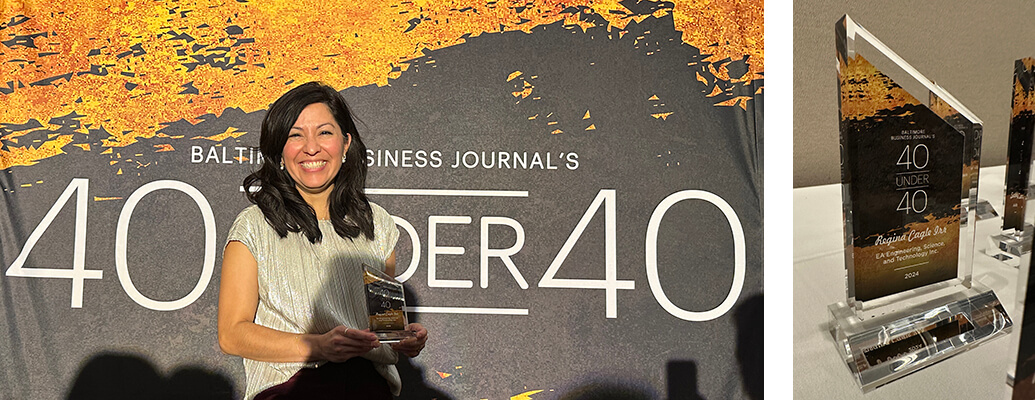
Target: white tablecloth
819, 372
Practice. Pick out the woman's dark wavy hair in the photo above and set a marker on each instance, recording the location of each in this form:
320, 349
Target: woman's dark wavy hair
278, 198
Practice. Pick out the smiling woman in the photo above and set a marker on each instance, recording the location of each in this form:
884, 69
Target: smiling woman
309, 123
314, 152
291, 297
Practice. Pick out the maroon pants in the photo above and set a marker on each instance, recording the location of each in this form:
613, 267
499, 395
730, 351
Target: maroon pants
353, 379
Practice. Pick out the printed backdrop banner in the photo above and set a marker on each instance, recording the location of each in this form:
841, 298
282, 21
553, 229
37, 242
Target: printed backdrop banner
578, 186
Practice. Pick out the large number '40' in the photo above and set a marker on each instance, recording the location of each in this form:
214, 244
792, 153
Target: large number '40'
611, 283
78, 273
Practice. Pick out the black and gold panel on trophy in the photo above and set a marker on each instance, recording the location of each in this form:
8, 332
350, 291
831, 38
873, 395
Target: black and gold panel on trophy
1018, 158
904, 166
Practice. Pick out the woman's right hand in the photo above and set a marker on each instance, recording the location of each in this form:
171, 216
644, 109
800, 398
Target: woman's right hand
342, 343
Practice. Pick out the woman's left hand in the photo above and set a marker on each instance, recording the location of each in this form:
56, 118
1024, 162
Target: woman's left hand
411, 347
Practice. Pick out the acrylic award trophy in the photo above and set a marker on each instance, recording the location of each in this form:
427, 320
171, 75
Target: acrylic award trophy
1021, 372
907, 184
1016, 237
385, 303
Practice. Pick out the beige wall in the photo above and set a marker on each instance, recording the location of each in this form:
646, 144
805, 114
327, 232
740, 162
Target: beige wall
966, 47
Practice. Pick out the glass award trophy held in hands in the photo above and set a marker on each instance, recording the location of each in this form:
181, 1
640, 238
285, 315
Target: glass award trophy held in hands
385, 303
909, 155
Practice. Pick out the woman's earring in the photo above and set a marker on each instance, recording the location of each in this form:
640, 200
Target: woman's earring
281, 165
342, 158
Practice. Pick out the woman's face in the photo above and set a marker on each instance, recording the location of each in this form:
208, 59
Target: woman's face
315, 144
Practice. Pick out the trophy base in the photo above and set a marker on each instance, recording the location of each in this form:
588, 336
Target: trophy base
984, 210
883, 344
1010, 245
394, 336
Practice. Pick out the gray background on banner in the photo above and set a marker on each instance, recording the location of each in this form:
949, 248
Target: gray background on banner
461, 101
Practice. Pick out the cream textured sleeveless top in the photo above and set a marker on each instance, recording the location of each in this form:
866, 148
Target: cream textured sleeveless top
312, 288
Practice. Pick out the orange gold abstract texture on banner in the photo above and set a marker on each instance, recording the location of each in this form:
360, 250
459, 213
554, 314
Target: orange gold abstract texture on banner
129, 67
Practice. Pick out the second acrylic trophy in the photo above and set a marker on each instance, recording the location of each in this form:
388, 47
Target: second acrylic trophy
1016, 238
909, 165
